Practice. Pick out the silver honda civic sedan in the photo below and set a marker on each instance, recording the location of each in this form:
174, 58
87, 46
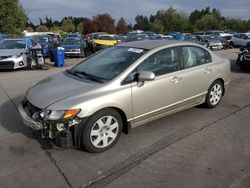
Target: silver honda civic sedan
91, 104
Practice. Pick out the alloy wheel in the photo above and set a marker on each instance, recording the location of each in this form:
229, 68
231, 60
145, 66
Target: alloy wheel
215, 94
104, 131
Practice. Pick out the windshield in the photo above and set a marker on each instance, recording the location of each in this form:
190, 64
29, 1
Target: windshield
72, 41
108, 63
13, 44
105, 37
41, 39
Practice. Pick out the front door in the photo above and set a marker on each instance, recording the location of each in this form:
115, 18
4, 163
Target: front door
158, 97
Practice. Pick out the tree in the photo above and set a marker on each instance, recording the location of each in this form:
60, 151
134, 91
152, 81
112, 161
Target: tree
55, 29
13, 18
142, 23
80, 28
29, 29
68, 25
122, 26
208, 22
156, 26
48, 22
104, 22
42, 28
89, 27
173, 20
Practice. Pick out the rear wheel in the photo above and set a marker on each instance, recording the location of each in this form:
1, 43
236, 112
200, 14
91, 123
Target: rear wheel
102, 131
214, 94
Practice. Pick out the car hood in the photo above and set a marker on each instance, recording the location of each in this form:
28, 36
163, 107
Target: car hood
56, 88
71, 46
105, 42
10, 52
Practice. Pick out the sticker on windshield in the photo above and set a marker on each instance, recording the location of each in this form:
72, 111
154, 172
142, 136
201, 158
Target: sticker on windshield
136, 50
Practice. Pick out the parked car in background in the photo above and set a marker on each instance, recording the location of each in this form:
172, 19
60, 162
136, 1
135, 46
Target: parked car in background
240, 39
223, 40
14, 53
214, 32
74, 35
212, 43
243, 60
3, 36
104, 41
45, 41
151, 35
192, 38
198, 33
121, 38
89, 38
123, 86
74, 46
164, 37
136, 37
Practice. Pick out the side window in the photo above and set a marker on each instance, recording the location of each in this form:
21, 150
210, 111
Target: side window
208, 57
162, 62
237, 36
194, 56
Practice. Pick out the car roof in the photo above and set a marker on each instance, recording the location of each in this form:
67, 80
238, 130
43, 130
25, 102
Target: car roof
150, 44
16, 38
71, 38
107, 35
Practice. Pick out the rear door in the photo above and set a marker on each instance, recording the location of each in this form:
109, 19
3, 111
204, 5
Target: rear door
197, 74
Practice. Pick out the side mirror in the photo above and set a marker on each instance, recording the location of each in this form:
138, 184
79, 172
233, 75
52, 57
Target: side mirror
146, 76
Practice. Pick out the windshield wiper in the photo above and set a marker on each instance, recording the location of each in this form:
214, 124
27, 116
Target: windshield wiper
85, 75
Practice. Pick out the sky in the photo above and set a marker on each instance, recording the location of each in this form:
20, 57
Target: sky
57, 9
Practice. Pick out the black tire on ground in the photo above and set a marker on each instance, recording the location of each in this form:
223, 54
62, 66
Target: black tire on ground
82, 53
92, 123
210, 94
231, 44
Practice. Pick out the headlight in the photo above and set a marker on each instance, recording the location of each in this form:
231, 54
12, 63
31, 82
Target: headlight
59, 114
17, 55
77, 50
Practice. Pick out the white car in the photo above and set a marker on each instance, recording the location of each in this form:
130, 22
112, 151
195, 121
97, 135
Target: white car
14, 52
240, 39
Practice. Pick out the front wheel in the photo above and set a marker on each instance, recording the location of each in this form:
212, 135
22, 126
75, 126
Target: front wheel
214, 94
102, 131
82, 54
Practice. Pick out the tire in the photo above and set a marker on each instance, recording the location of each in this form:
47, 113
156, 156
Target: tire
231, 44
102, 131
214, 94
82, 54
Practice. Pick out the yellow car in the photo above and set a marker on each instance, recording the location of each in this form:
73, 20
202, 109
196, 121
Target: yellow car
105, 40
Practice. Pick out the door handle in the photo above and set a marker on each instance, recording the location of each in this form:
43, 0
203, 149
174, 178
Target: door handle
207, 70
176, 79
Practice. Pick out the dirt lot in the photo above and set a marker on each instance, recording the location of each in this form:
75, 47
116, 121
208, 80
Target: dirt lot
195, 148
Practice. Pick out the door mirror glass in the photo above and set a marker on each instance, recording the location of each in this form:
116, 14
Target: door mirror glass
146, 76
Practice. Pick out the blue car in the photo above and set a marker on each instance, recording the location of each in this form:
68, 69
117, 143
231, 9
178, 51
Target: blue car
45, 41
74, 46
3, 36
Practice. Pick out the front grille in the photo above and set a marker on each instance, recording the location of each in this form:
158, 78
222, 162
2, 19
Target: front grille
7, 64
4, 57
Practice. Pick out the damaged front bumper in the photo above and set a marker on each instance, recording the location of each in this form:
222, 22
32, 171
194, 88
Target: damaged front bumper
62, 132
27, 120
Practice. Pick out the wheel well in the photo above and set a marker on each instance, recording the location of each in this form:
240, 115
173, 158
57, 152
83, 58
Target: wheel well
126, 124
